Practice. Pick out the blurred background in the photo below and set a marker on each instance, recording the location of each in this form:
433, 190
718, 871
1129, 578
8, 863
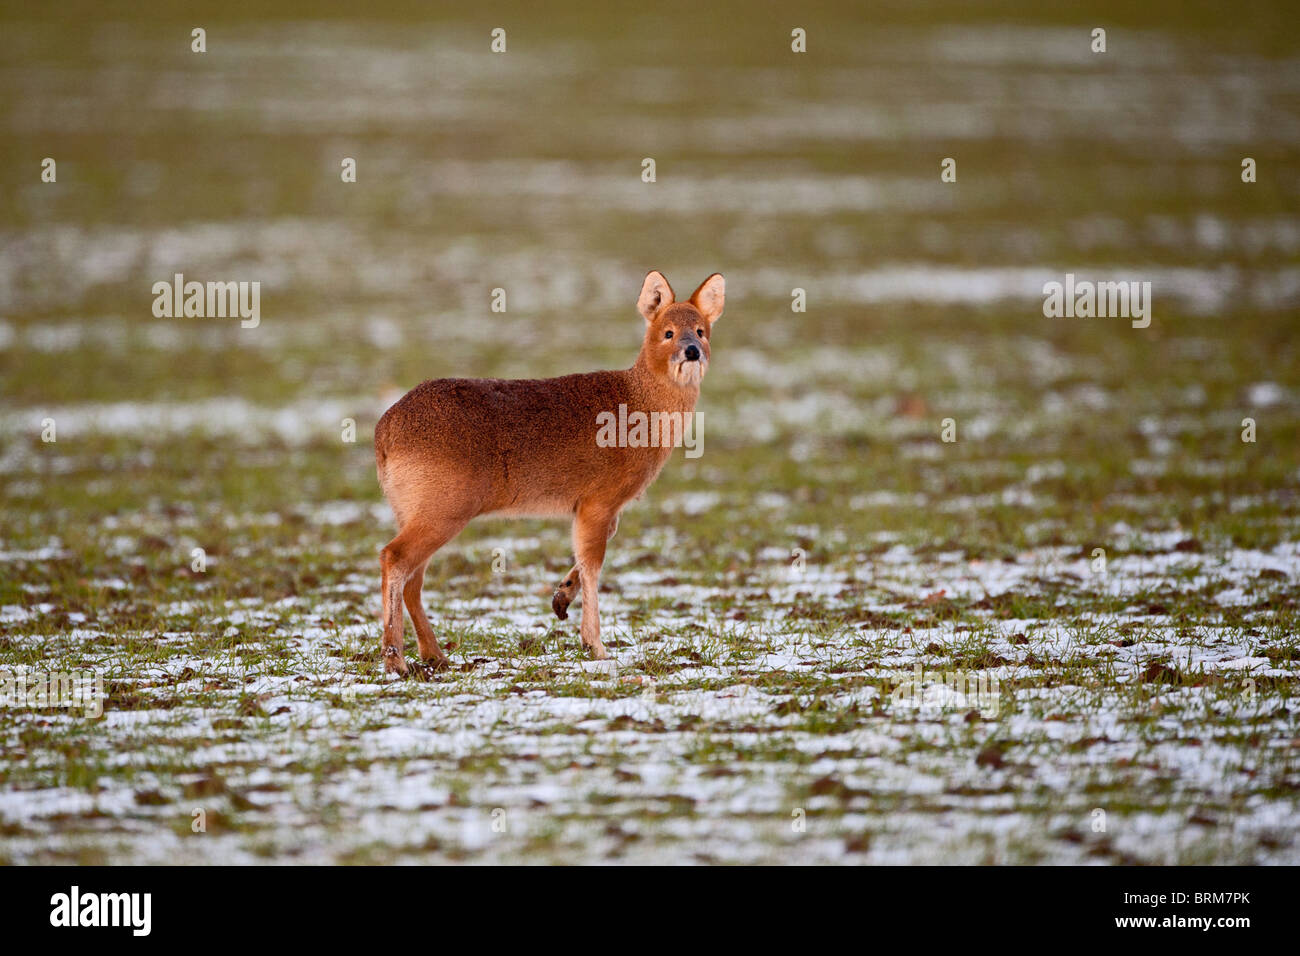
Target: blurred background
523, 171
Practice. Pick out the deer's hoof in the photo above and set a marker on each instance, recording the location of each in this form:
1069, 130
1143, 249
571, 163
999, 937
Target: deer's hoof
394, 662
429, 666
560, 605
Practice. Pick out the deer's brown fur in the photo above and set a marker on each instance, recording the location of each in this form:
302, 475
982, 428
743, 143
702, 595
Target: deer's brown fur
455, 448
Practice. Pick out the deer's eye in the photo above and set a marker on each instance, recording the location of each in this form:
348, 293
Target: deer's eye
700, 333
668, 334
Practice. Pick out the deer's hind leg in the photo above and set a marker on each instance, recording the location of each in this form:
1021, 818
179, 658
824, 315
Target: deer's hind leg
403, 561
430, 652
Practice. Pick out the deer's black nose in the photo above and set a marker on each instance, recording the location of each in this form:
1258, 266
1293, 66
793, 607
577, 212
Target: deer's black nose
692, 353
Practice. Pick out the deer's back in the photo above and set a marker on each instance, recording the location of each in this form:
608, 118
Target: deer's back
525, 446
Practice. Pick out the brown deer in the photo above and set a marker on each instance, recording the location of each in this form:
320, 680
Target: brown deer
455, 448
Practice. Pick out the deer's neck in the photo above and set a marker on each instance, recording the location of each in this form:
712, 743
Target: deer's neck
655, 392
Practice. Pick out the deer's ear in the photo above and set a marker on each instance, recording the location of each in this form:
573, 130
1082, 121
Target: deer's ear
710, 297
656, 294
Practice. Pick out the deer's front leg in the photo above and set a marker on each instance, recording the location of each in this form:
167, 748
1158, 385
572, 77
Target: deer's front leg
567, 589
593, 526
565, 592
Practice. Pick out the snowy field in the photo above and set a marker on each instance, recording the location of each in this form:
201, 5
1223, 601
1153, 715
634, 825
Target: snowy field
1072, 635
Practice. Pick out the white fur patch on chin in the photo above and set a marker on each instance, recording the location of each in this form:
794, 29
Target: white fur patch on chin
688, 373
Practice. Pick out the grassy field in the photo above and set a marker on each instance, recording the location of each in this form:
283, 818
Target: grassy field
1068, 636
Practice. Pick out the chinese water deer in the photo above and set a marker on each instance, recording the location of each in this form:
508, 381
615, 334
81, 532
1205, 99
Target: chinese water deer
455, 448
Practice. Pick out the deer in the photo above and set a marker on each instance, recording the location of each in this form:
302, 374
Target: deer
454, 449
